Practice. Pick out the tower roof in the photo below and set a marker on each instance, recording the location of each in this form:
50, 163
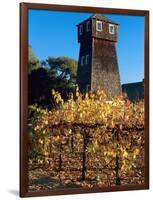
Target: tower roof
101, 17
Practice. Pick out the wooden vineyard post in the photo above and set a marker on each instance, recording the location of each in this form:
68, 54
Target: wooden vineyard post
84, 157
72, 140
50, 150
43, 151
118, 181
60, 157
72, 145
86, 139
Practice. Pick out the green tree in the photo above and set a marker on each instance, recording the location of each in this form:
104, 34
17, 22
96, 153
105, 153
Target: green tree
63, 69
64, 64
53, 73
33, 61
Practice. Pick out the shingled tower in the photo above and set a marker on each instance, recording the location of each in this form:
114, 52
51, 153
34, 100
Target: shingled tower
98, 65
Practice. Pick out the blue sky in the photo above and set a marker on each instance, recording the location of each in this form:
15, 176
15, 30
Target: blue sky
53, 33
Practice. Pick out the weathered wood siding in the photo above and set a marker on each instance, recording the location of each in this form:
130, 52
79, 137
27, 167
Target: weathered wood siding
105, 70
86, 35
84, 72
102, 70
104, 34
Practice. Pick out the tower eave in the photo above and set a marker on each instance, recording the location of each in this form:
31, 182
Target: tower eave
101, 17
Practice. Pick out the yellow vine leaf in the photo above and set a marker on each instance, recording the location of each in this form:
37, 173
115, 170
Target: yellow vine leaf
125, 154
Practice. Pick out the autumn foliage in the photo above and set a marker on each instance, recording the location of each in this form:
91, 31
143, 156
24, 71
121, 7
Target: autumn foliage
89, 140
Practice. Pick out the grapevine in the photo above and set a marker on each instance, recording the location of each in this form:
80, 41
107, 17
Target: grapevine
90, 140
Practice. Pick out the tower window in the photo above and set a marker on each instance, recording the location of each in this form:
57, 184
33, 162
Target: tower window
82, 60
88, 26
99, 26
81, 29
111, 28
87, 59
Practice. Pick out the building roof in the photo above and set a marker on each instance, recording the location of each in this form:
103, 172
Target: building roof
134, 91
101, 17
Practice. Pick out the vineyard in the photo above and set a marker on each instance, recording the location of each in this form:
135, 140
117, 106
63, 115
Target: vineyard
86, 141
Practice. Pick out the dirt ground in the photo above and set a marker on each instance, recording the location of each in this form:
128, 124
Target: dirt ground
47, 179
43, 179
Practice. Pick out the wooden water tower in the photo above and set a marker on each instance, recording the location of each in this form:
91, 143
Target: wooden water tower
98, 64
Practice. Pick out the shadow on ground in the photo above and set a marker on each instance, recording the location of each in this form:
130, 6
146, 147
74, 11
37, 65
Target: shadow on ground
14, 192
